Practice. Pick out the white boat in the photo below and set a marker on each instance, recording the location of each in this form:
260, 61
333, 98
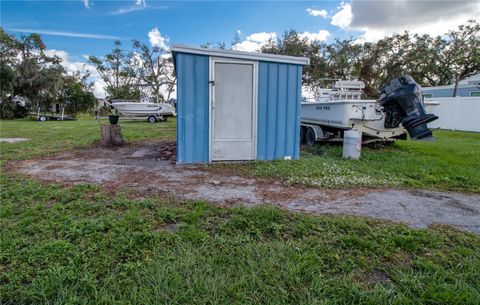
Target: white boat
341, 108
143, 109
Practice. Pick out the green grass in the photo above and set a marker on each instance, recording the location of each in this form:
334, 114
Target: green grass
80, 245
452, 163
449, 163
54, 136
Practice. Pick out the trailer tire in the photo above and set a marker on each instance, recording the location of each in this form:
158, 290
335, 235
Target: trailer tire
152, 119
303, 131
310, 136
42, 118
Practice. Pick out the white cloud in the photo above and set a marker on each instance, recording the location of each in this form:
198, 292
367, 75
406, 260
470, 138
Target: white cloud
121, 11
140, 5
317, 13
247, 46
377, 19
157, 40
262, 37
399, 13
73, 67
254, 41
136, 59
343, 17
86, 3
68, 34
59, 53
166, 55
99, 88
321, 35
140, 2
433, 27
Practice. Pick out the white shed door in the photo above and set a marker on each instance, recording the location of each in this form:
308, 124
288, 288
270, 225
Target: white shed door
233, 110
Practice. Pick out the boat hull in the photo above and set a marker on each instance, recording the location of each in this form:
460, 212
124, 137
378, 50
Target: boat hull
363, 115
144, 109
340, 114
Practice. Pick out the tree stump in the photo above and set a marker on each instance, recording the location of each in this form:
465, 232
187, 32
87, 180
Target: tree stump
111, 135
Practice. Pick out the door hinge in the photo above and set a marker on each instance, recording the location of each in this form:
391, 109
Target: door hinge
212, 82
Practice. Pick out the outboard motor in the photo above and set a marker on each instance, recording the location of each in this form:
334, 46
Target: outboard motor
402, 102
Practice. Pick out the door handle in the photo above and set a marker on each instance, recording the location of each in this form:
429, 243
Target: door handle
212, 82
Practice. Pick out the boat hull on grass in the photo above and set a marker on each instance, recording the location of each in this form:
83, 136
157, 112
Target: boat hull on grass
144, 109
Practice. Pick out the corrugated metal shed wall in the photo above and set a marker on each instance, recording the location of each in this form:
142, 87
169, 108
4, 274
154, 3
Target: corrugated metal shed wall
279, 97
192, 107
278, 124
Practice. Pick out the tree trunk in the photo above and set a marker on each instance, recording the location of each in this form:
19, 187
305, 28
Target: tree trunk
455, 88
111, 135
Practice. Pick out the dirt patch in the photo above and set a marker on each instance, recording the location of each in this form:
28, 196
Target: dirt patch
371, 279
168, 151
146, 169
13, 140
448, 199
377, 276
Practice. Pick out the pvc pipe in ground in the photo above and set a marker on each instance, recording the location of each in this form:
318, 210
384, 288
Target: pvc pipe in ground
352, 144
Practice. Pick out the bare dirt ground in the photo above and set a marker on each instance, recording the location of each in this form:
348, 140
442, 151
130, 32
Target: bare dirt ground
13, 140
145, 169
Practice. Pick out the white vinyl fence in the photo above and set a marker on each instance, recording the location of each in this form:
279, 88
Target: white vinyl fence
456, 113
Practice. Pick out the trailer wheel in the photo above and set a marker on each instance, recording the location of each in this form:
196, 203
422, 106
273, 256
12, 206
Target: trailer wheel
42, 118
310, 136
152, 119
303, 131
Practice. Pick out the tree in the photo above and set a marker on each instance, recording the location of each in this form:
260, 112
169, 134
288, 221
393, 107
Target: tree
236, 39
343, 59
461, 58
118, 71
7, 59
25, 70
27, 74
156, 69
214, 45
75, 94
293, 44
431, 61
7, 105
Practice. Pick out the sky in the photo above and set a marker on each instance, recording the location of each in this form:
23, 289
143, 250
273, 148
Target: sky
76, 29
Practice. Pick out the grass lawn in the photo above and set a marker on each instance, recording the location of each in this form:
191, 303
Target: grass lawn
54, 136
78, 245
451, 162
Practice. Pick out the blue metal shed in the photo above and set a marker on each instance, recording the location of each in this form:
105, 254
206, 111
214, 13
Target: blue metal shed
234, 105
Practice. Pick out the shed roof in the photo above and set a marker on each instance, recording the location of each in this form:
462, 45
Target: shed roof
241, 55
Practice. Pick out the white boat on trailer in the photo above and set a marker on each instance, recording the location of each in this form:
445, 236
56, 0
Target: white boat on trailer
399, 110
152, 111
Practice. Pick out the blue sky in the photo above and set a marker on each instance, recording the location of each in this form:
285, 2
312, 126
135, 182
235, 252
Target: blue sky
184, 22
75, 29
